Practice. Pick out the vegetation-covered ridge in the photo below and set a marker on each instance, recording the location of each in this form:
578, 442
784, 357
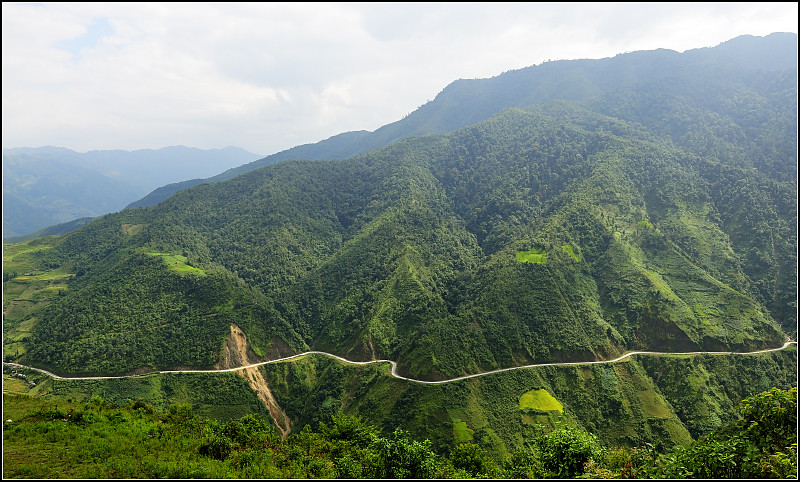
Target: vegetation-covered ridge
580, 211
99, 439
410, 253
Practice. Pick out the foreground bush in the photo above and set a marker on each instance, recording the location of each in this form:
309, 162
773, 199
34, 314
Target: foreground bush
97, 439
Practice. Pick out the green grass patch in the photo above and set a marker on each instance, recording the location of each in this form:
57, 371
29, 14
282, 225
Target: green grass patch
539, 399
21, 263
132, 229
653, 405
462, 433
570, 251
229, 305
13, 252
177, 262
50, 275
14, 385
536, 255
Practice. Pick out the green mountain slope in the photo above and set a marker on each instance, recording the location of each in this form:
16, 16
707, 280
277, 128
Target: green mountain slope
658, 216
410, 253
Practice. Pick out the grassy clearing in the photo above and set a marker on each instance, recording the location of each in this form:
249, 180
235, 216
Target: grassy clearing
536, 255
229, 305
49, 275
461, 433
132, 229
15, 335
20, 265
27, 286
176, 262
16, 252
570, 251
14, 385
539, 399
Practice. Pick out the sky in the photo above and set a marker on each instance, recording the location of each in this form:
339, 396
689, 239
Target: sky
270, 76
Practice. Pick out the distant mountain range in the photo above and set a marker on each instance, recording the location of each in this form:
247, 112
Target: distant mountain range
462, 103
45, 186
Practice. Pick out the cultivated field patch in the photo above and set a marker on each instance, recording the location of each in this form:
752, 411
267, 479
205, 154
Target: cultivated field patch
536, 255
539, 399
570, 251
132, 229
178, 263
461, 433
28, 284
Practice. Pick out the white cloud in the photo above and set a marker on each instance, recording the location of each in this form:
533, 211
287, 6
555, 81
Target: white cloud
268, 76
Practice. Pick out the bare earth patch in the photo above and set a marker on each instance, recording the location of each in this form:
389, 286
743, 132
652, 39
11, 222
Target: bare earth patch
234, 354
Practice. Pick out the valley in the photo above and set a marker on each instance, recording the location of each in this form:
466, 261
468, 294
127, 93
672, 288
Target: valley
606, 245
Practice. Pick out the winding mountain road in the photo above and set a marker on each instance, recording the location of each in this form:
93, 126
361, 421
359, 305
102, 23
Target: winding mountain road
394, 364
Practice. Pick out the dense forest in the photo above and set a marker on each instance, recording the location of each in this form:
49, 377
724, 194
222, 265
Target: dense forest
583, 210
410, 253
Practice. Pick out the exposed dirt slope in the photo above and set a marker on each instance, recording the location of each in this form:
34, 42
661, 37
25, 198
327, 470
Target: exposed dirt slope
234, 354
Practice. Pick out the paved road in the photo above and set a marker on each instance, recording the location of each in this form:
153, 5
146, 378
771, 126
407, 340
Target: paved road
394, 364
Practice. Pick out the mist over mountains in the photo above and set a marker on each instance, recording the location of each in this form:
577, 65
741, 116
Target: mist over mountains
466, 101
52, 185
461, 103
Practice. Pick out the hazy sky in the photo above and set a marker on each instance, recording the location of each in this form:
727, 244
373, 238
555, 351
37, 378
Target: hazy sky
270, 76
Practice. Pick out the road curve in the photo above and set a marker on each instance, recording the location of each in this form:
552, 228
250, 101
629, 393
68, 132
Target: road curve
394, 365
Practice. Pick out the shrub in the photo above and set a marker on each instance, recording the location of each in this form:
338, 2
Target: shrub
712, 458
348, 428
216, 446
140, 404
564, 452
403, 458
522, 464
473, 459
770, 418
762, 444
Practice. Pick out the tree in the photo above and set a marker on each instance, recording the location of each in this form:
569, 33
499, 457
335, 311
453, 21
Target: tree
769, 419
564, 452
472, 458
403, 458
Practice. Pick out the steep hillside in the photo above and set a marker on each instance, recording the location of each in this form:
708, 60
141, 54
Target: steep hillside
421, 252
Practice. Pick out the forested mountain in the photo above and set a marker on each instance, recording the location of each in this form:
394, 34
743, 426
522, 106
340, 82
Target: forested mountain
467, 101
51, 185
645, 202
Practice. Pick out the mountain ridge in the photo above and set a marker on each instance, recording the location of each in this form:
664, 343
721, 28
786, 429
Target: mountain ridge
410, 125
